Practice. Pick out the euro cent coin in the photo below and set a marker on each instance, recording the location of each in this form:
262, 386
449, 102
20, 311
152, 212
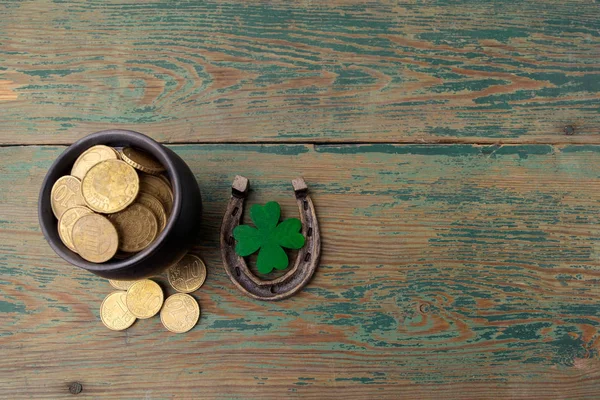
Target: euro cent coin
141, 160
144, 298
110, 186
65, 194
137, 227
159, 189
180, 313
165, 179
95, 238
188, 274
114, 312
66, 223
121, 285
155, 206
91, 157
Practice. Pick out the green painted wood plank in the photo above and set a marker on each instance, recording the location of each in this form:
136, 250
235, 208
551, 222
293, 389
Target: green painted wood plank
453, 271
295, 71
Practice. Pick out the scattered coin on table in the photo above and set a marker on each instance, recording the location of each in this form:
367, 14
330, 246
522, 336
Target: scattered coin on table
144, 298
114, 312
121, 285
188, 274
180, 313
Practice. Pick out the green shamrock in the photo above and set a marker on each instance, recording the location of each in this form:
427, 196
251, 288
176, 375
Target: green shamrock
268, 237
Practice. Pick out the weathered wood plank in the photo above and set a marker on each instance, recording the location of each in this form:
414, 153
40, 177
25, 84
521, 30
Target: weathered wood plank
295, 71
452, 271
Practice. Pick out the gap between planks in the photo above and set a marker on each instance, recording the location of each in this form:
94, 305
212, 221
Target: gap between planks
482, 142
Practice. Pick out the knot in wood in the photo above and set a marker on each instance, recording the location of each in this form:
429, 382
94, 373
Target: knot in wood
569, 130
75, 388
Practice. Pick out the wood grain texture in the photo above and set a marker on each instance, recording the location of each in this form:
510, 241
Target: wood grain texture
448, 271
300, 71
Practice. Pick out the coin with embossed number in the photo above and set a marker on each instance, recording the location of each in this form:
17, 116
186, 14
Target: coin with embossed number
155, 206
121, 285
110, 186
188, 274
159, 189
180, 313
67, 221
91, 157
141, 160
66, 193
95, 238
137, 227
114, 312
144, 298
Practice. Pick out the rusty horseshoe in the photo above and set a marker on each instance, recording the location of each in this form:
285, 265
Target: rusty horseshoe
307, 259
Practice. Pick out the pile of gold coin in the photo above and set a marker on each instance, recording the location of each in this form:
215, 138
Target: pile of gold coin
113, 204
145, 298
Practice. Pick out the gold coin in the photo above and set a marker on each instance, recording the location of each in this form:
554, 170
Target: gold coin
114, 312
155, 206
180, 313
66, 222
137, 227
141, 160
95, 238
165, 179
159, 189
121, 285
91, 157
66, 193
144, 298
110, 186
188, 274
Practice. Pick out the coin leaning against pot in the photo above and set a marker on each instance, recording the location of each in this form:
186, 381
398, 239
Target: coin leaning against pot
108, 188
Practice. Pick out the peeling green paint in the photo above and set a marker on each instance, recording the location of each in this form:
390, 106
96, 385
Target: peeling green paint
7, 307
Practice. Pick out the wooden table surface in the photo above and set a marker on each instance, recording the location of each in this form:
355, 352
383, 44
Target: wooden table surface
452, 149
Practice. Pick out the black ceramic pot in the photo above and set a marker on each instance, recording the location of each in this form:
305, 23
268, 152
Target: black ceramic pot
170, 245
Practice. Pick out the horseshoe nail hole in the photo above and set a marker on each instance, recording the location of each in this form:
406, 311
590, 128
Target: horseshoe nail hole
235, 211
307, 257
272, 289
305, 205
237, 271
309, 233
230, 241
